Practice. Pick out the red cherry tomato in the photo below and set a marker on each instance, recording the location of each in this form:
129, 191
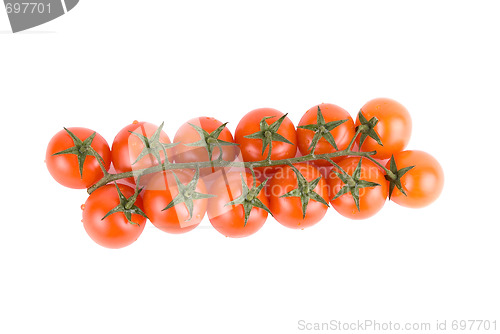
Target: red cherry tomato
288, 210
371, 199
127, 147
251, 148
393, 127
115, 231
230, 220
160, 191
423, 183
342, 134
65, 169
187, 135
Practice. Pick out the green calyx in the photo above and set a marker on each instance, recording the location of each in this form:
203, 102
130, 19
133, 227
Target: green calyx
269, 133
153, 145
322, 130
82, 149
395, 178
305, 191
249, 199
367, 129
352, 183
187, 194
127, 206
210, 140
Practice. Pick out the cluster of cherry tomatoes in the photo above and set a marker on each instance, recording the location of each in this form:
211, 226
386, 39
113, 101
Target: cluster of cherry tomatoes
268, 167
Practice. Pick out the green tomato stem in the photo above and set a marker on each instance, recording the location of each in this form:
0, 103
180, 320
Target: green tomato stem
351, 144
387, 171
223, 163
99, 160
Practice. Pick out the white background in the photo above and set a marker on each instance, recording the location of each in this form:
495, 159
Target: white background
107, 63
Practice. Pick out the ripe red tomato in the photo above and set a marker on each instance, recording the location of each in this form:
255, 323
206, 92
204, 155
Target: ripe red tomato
251, 148
127, 147
114, 231
288, 210
342, 134
371, 198
423, 183
65, 168
160, 191
230, 220
187, 134
393, 127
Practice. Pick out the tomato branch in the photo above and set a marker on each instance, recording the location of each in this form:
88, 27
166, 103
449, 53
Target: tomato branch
223, 163
351, 144
388, 172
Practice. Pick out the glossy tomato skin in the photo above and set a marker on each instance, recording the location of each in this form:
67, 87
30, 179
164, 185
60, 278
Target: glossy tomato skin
187, 134
251, 149
127, 147
393, 127
423, 183
288, 210
230, 220
160, 191
371, 199
114, 231
64, 168
342, 134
